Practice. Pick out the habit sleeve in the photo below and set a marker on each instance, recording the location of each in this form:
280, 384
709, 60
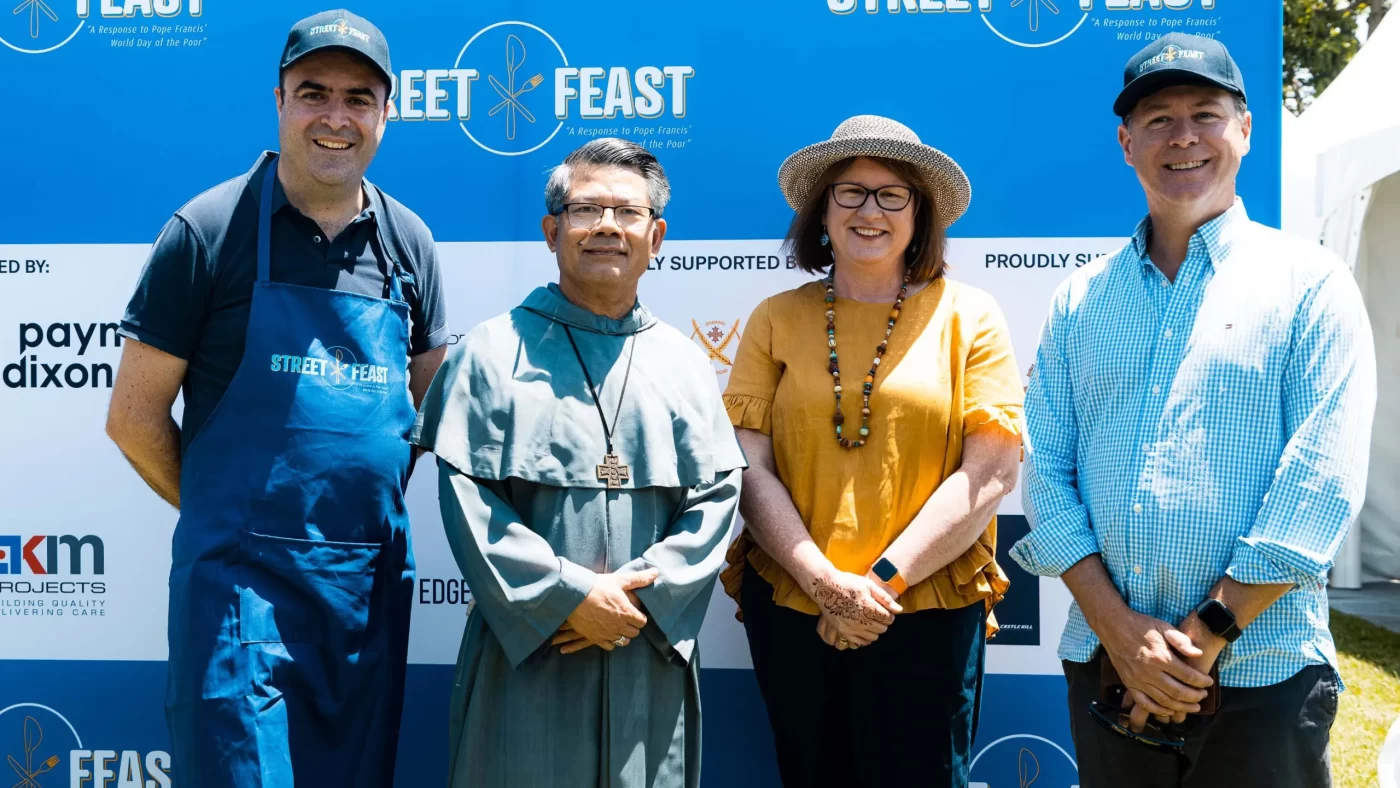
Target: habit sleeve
689, 557
521, 587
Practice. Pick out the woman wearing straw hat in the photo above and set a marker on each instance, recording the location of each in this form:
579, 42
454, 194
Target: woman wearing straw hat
880, 410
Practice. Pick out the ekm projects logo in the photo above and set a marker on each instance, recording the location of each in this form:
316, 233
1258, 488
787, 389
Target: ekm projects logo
19, 554
515, 88
38, 26
1024, 23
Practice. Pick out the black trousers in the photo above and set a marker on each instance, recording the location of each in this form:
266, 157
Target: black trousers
1260, 737
899, 712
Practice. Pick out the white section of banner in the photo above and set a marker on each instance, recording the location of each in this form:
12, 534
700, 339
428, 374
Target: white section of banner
61, 476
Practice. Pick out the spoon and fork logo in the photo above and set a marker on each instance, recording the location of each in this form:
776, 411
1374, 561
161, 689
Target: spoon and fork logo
29, 773
35, 7
510, 97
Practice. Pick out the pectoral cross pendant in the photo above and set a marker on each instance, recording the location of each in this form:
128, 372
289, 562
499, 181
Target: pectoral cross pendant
612, 471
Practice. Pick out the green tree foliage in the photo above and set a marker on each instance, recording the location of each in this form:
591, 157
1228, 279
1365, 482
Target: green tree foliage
1319, 39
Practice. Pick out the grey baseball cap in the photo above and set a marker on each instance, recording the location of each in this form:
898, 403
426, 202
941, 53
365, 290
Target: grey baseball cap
1177, 59
339, 30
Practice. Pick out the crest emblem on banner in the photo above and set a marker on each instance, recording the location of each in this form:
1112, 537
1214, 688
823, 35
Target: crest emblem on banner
720, 341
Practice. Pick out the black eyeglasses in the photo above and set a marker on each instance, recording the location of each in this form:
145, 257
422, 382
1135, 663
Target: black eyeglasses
587, 215
853, 195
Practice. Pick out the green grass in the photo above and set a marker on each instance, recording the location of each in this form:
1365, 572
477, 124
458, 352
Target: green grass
1370, 662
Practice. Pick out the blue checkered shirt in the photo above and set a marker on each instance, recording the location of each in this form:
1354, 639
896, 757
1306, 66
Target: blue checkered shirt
1219, 425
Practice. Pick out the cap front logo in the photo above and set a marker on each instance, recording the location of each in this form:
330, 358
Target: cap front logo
1171, 54
342, 28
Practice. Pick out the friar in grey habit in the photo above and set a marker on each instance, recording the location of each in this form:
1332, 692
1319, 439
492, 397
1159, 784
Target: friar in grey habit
588, 478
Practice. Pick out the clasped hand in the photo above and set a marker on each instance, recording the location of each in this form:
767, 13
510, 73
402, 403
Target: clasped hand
611, 615
855, 610
1158, 664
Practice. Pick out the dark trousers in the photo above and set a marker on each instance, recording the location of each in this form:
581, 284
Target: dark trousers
1260, 737
899, 712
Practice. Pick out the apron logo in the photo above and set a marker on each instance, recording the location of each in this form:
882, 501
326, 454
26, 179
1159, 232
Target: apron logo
336, 366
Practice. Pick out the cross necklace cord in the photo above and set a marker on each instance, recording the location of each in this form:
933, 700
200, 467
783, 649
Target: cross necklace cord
611, 470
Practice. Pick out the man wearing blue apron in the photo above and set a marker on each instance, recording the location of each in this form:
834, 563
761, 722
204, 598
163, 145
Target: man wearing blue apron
298, 309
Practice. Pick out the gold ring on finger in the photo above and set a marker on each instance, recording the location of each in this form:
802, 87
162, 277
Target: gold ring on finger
844, 642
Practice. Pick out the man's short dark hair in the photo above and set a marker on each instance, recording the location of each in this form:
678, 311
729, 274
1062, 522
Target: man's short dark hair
608, 152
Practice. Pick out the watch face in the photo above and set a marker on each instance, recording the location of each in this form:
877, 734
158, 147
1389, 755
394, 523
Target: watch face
1214, 615
885, 570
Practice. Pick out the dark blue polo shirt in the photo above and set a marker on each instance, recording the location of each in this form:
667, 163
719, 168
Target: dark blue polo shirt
196, 292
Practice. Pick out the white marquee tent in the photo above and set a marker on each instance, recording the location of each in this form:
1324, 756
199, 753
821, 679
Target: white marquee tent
1352, 135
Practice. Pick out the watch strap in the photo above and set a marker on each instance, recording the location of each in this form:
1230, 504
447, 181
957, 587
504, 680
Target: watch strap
889, 574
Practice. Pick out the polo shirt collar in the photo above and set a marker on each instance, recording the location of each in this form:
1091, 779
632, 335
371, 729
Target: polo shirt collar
374, 207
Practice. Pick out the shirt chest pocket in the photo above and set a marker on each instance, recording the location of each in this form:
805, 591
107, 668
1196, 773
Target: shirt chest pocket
1236, 360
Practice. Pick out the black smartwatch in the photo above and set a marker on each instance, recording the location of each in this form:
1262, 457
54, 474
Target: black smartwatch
1218, 619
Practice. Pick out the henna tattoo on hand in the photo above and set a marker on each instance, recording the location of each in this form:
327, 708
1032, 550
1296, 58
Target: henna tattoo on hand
843, 603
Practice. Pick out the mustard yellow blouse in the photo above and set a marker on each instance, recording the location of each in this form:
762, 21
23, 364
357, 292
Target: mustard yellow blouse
949, 370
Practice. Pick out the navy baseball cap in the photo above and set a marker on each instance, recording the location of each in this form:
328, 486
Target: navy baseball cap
1177, 59
340, 30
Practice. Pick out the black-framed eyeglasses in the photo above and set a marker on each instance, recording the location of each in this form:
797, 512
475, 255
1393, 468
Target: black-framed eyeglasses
1159, 736
853, 195
587, 215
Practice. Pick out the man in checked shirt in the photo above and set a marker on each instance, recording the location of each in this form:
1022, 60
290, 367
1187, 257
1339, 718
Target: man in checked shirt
1198, 428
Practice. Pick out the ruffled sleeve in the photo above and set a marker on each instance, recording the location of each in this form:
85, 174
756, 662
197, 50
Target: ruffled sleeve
754, 378
1010, 418
750, 413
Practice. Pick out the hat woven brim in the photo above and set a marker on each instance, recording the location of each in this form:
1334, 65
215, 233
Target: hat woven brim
951, 189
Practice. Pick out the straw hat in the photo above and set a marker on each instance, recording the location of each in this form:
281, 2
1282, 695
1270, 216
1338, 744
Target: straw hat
872, 135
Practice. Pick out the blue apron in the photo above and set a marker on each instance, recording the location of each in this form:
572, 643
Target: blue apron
292, 577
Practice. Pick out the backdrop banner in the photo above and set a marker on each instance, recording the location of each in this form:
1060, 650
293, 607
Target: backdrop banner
123, 110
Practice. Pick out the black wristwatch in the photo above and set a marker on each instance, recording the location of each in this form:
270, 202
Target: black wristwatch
1218, 619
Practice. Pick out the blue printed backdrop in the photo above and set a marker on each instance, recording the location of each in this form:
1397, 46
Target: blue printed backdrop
125, 136
120, 116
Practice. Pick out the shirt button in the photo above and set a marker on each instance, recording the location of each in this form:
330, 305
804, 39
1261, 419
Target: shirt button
1137, 508
1147, 447
317, 239
1165, 283
1156, 389
1137, 570
1168, 333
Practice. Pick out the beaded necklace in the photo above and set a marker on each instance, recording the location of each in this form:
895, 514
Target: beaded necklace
840, 418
